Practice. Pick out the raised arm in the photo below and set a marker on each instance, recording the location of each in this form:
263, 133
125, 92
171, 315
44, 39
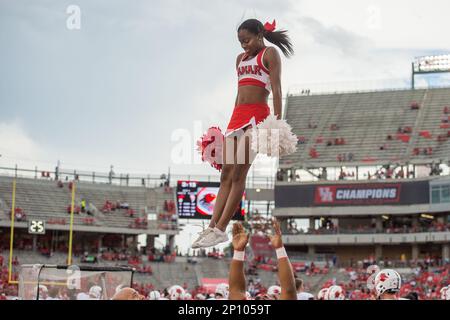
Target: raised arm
236, 279
285, 272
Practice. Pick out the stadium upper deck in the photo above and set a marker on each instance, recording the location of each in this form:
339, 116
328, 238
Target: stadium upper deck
369, 128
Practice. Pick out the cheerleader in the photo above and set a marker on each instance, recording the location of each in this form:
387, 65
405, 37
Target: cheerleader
259, 73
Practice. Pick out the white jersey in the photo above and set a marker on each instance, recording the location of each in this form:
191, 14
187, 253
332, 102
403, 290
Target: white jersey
83, 296
305, 296
253, 72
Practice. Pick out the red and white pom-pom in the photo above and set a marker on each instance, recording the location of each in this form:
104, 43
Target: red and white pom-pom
274, 137
211, 153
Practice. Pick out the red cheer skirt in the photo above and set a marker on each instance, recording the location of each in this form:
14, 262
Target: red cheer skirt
245, 115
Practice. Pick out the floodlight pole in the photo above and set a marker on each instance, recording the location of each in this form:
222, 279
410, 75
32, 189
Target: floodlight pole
412, 76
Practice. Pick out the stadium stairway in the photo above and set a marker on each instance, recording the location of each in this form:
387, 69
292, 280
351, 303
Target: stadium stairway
417, 125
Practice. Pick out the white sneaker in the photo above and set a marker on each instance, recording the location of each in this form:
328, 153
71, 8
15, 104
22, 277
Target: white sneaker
213, 238
195, 244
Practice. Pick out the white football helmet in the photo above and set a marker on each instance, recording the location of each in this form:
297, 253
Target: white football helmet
199, 296
176, 293
445, 293
43, 288
274, 292
335, 293
119, 287
372, 271
96, 292
43, 291
322, 295
223, 290
387, 280
154, 295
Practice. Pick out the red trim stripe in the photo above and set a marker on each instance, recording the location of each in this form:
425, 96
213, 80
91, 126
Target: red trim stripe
260, 62
251, 82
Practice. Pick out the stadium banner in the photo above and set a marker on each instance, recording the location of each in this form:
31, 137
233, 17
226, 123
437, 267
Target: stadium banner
196, 200
357, 194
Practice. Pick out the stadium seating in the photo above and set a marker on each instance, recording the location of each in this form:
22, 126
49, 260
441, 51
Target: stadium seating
365, 120
43, 199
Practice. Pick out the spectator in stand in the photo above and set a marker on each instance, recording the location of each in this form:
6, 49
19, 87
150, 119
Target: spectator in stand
334, 127
415, 105
313, 153
389, 172
342, 175
446, 110
83, 205
400, 174
76, 209
19, 215
324, 175
428, 151
279, 175
311, 125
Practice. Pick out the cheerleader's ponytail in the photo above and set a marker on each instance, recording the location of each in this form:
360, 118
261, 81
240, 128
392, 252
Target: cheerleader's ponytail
278, 38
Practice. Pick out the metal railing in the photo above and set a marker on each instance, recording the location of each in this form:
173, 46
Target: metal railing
363, 86
369, 231
122, 179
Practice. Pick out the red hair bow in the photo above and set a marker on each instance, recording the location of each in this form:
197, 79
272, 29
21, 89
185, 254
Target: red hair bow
270, 26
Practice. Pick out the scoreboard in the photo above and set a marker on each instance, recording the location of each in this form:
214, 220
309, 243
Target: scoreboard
196, 200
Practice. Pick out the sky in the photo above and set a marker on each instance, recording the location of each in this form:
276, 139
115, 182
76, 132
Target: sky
94, 83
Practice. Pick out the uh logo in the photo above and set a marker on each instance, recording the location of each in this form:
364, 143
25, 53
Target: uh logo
325, 194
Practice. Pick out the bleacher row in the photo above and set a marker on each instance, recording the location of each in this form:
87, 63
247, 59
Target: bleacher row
43, 199
364, 121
